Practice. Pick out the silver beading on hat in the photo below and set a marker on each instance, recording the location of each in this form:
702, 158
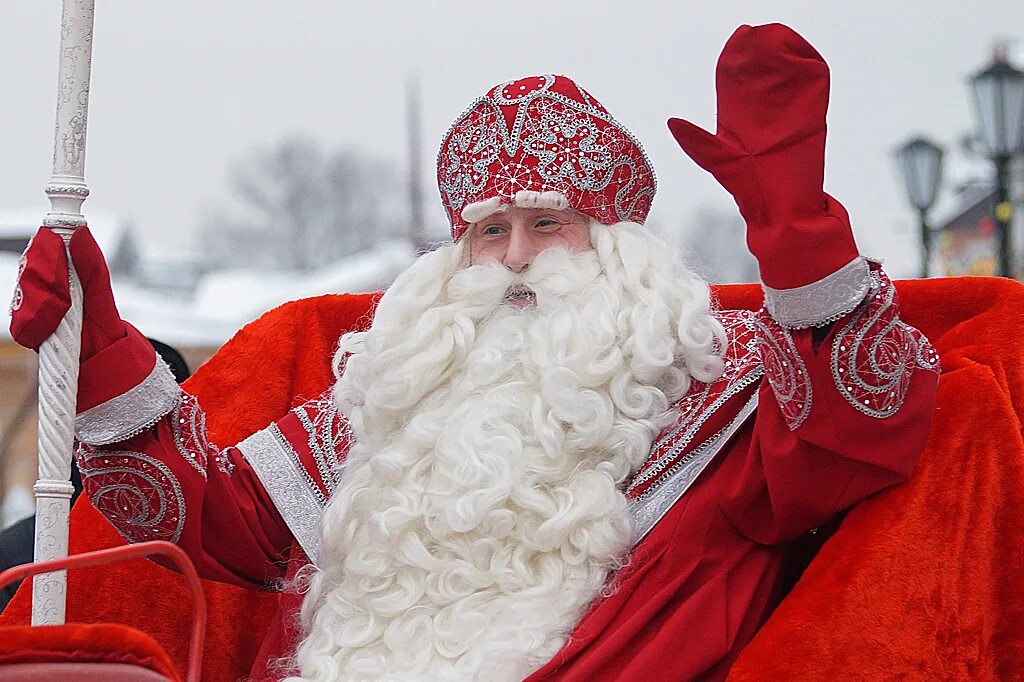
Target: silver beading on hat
544, 134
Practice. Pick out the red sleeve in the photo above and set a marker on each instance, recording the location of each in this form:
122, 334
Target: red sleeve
844, 411
170, 483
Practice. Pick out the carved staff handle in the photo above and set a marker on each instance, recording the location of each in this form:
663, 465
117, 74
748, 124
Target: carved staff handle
59, 355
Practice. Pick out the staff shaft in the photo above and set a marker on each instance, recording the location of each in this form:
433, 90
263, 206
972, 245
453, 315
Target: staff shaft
59, 355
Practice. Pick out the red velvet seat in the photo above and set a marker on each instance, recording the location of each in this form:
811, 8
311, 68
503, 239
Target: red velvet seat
81, 672
105, 652
99, 651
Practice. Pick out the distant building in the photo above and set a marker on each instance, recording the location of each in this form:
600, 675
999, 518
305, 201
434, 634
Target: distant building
966, 239
114, 234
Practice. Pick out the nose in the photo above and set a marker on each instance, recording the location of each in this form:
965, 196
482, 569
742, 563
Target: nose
520, 250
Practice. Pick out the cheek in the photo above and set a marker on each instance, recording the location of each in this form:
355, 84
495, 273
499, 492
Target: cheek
578, 239
483, 251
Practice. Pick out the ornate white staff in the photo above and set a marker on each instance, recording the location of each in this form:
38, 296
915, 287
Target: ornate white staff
58, 356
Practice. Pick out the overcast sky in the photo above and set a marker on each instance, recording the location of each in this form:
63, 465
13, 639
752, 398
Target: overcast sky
182, 89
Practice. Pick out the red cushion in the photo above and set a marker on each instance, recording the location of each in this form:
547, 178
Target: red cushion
79, 672
97, 643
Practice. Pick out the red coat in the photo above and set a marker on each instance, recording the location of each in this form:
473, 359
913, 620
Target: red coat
801, 426
920, 582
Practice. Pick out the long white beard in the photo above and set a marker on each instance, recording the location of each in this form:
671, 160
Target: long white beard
481, 511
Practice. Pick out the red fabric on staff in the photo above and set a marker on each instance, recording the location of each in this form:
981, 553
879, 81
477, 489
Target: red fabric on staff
884, 597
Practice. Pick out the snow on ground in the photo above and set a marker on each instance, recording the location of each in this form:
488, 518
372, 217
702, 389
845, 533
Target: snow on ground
239, 296
107, 228
8, 275
18, 504
227, 300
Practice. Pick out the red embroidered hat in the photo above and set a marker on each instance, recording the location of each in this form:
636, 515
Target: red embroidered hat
542, 141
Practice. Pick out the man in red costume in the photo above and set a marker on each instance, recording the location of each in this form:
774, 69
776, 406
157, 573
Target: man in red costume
548, 456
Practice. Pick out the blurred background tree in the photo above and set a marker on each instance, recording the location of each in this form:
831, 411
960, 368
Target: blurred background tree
713, 242
296, 206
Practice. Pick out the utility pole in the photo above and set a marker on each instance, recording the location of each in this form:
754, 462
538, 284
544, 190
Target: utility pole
417, 230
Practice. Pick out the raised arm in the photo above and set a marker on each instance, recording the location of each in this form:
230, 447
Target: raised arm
846, 403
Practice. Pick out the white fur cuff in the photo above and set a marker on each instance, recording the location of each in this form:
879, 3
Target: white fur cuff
822, 302
132, 412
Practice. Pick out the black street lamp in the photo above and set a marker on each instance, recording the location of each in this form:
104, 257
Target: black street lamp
921, 167
999, 104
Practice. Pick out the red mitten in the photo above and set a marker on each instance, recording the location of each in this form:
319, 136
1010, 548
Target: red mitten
41, 296
769, 153
102, 325
115, 357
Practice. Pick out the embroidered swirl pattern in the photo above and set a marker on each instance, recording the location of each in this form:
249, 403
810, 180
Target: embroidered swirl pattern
875, 354
670, 449
188, 423
544, 133
19, 295
785, 370
138, 494
329, 437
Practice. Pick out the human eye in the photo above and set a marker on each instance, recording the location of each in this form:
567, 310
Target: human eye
492, 230
546, 223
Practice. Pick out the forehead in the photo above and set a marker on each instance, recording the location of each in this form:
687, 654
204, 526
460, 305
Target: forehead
518, 213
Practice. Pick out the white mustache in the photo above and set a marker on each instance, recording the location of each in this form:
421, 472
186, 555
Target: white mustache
554, 273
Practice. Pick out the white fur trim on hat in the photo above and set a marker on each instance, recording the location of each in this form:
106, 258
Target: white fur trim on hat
478, 210
526, 198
